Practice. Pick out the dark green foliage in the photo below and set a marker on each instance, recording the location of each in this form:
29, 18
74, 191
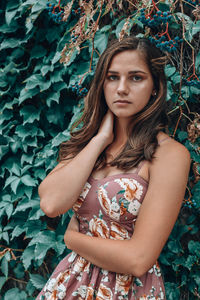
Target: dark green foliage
39, 101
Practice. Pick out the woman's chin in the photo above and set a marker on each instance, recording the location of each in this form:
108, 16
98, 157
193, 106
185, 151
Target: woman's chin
123, 115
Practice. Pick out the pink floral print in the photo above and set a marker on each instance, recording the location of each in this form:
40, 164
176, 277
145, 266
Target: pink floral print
106, 209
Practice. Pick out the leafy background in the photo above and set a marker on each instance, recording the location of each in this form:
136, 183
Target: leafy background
46, 67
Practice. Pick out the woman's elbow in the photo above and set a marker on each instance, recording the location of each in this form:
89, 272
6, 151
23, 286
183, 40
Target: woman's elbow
48, 209
140, 267
139, 271
46, 204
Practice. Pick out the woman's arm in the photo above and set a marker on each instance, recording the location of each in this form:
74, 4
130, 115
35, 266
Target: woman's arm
61, 188
158, 213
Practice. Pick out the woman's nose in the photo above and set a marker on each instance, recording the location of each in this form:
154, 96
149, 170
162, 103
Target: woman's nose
122, 87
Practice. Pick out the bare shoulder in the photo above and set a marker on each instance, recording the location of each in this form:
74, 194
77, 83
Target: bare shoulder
171, 159
170, 149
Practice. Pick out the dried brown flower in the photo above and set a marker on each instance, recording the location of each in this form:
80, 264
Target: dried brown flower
196, 168
125, 29
196, 12
67, 10
193, 129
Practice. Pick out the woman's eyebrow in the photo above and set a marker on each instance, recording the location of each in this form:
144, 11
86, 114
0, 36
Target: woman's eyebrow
137, 71
113, 72
130, 72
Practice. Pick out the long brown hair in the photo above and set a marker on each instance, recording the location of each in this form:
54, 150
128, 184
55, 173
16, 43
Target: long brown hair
145, 125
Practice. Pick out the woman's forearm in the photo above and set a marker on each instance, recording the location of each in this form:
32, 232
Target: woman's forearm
113, 255
61, 188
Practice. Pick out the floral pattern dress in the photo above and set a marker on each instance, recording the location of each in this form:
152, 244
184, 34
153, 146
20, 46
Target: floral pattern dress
106, 208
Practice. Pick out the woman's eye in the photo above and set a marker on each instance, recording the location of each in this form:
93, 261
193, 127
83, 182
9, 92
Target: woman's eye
112, 77
136, 78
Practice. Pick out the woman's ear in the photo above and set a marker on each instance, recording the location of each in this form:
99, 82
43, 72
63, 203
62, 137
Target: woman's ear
154, 92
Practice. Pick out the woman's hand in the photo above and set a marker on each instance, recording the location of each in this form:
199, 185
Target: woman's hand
106, 128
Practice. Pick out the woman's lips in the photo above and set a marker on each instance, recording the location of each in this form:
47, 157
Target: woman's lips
122, 102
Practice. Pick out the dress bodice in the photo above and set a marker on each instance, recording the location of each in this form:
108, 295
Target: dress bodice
108, 207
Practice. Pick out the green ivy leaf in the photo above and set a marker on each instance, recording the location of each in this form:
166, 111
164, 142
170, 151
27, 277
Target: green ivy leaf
15, 294
36, 213
39, 6
12, 5
190, 261
100, 41
60, 246
41, 250
16, 169
4, 266
27, 158
24, 204
182, 135
2, 281
170, 70
9, 180
172, 291
33, 81
28, 191
197, 60
34, 227
28, 180
9, 210
14, 182
15, 144
197, 280
27, 94
56, 58
196, 28
5, 237
29, 25
46, 69
37, 280
42, 236
9, 43
40, 173
19, 271
194, 247
54, 96
30, 114
175, 78
28, 256
59, 138
194, 90
28, 130
9, 16
18, 230
38, 52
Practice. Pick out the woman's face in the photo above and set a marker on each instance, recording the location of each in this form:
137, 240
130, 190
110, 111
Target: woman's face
128, 85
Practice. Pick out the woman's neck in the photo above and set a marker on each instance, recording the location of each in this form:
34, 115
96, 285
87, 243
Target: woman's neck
121, 126
120, 140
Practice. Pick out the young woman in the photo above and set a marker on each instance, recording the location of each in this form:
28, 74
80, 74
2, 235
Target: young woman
124, 178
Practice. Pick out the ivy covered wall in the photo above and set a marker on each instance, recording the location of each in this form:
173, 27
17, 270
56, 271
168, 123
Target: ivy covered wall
48, 53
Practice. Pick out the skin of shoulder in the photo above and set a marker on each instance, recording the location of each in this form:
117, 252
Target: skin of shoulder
170, 152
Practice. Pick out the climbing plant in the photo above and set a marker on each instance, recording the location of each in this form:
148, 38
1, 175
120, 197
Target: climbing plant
48, 54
